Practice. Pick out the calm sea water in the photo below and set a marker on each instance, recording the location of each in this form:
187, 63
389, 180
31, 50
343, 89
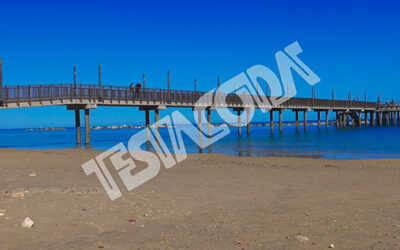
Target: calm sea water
332, 143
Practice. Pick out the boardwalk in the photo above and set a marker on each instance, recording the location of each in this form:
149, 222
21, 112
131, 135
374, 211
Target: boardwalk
86, 97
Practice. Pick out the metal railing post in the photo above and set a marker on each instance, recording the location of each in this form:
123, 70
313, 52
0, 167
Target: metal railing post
40, 94
29, 94
18, 95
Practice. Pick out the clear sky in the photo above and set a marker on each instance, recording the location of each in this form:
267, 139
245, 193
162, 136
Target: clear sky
350, 45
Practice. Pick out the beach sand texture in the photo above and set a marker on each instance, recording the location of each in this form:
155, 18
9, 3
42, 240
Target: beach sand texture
206, 202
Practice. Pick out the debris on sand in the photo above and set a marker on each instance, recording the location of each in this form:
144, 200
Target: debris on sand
131, 220
239, 242
27, 223
32, 174
18, 195
302, 238
331, 246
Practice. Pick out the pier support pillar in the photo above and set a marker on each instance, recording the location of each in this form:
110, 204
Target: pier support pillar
147, 114
209, 122
248, 120
280, 121
239, 123
398, 118
380, 118
78, 126
346, 119
305, 120
337, 119
359, 119
395, 118
271, 118
156, 120
200, 121
87, 127
372, 122
297, 120
77, 108
365, 118
327, 118
387, 118
319, 119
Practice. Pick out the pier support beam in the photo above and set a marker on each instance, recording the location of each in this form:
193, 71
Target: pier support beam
327, 119
209, 122
78, 126
77, 108
200, 121
398, 117
156, 120
297, 120
280, 121
387, 119
372, 122
147, 114
319, 119
337, 119
271, 118
239, 122
87, 127
248, 120
305, 120
147, 110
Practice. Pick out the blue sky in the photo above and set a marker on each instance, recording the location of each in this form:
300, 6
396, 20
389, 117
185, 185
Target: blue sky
351, 46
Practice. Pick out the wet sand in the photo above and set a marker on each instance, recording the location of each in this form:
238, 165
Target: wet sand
206, 202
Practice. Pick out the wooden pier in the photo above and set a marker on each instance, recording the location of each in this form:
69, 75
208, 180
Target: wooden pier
77, 97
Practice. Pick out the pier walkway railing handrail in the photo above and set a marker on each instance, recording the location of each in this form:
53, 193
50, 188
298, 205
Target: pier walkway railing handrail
96, 93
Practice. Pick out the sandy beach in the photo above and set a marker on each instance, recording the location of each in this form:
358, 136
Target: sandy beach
206, 202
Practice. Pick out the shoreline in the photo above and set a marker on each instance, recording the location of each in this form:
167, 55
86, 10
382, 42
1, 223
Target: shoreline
242, 154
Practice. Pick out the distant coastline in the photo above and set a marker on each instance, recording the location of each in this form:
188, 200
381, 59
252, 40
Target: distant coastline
292, 123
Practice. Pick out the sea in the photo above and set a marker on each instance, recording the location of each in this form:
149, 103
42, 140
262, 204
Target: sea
331, 143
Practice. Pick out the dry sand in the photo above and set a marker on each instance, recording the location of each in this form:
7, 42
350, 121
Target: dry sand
206, 202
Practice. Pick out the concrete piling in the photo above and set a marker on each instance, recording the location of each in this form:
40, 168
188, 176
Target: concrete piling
209, 122
327, 118
305, 120
147, 114
87, 127
271, 118
156, 120
239, 122
78, 126
248, 120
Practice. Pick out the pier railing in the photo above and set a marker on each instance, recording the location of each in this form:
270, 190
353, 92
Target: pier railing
51, 92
